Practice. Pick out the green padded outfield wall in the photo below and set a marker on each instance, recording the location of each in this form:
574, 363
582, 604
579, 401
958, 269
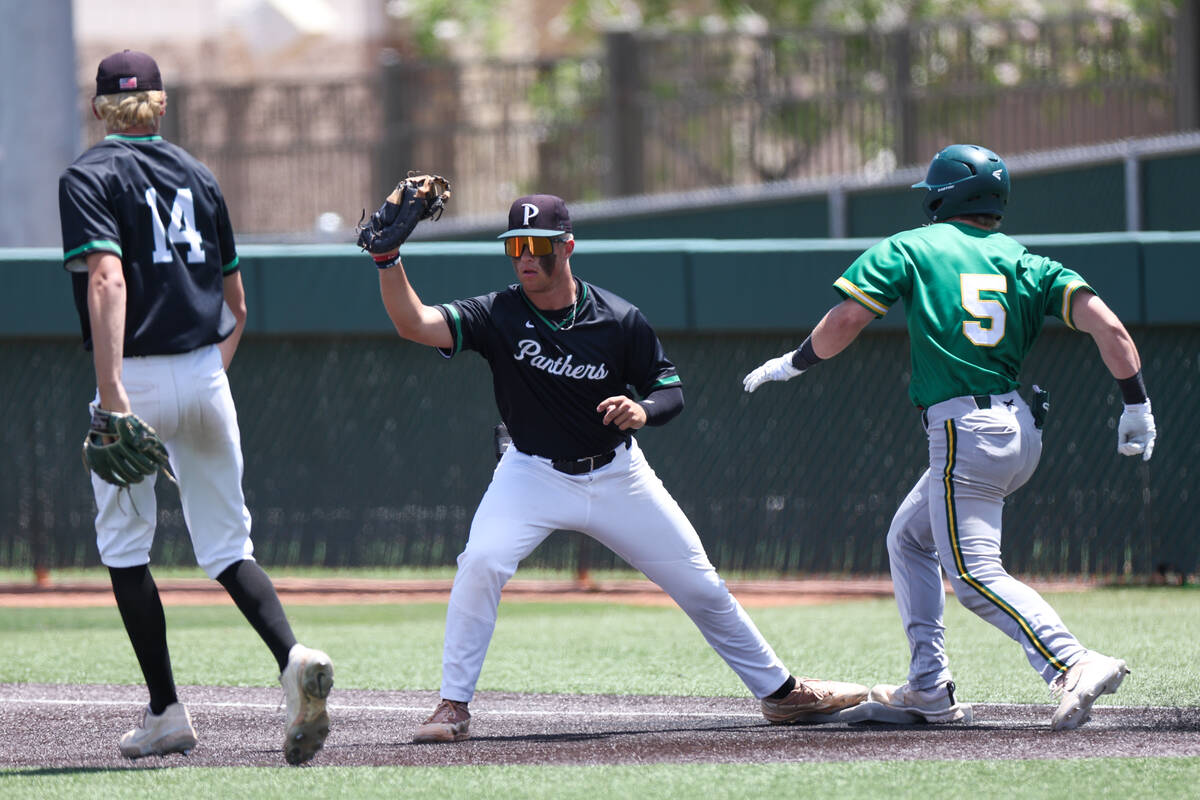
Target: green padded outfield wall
363, 449
1169, 187
1088, 199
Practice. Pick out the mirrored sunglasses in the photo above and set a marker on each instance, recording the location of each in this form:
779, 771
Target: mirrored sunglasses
537, 245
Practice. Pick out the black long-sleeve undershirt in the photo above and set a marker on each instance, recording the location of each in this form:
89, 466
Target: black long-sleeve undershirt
663, 405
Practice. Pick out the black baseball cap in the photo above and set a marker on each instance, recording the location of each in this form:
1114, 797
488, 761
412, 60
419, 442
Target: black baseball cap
127, 71
537, 215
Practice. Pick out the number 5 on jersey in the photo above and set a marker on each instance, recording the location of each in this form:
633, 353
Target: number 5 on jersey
182, 229
971, 285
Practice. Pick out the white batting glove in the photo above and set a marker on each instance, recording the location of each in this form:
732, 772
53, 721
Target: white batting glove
777, 369
1135, 431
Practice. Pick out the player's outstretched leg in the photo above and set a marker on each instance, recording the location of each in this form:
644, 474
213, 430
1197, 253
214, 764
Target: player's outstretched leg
1089, 677
306, 681
810, 699
159, 734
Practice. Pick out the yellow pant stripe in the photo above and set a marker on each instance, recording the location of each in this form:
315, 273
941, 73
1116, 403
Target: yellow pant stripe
960, 563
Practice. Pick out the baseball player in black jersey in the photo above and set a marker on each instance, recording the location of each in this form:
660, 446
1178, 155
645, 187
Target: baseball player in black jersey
565, 358
149, 245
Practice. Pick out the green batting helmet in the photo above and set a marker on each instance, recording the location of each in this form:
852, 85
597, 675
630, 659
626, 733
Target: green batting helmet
965, 179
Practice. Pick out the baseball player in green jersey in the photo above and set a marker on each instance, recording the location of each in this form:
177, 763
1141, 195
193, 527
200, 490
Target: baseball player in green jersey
975, 301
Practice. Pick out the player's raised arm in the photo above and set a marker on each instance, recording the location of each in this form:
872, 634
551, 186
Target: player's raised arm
415, 198
413, 319
1135, 431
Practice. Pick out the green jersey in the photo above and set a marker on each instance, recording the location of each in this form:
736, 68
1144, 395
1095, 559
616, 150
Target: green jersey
975, 301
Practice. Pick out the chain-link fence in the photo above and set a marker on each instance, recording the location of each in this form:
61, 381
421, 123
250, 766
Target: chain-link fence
374, 451
655, 113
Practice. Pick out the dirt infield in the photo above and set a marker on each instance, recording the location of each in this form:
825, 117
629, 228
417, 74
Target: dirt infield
76, 726
55, 726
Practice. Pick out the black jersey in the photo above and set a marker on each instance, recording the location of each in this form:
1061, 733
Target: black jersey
161, 211
550, 371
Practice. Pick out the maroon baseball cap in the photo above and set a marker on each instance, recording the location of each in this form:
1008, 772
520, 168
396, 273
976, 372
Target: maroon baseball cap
127, 71
537, 215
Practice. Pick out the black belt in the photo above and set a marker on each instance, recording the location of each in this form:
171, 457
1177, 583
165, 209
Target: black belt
582, 466
982, 401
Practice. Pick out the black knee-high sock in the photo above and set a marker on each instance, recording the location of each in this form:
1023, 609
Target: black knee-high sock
254, 595
142, 612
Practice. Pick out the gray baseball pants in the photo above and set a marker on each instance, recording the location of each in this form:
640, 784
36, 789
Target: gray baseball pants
981, 449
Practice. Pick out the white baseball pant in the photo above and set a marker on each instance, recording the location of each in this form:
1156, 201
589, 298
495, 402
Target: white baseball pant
186, 399
625, 507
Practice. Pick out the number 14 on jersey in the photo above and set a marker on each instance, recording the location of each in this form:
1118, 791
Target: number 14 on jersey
182, 229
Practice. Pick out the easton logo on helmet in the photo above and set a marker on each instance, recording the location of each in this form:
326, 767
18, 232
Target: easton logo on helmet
957, 183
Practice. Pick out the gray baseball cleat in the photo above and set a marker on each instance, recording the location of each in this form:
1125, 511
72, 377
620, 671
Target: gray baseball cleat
449, 722
306, 680
159, 734
904, 704
1078, 687
813, 700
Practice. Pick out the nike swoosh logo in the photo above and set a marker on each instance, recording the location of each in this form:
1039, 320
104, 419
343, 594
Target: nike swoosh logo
528, 323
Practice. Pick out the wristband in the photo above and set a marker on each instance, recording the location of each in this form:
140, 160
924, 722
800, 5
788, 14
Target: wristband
1133, 388
386, 260
804, 356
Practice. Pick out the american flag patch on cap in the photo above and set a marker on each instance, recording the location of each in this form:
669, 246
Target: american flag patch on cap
128, 84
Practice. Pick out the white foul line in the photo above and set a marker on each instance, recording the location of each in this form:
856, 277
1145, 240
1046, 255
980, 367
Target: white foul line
54, 701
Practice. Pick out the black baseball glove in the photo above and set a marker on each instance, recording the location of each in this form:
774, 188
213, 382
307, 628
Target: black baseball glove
415, 198
122, 449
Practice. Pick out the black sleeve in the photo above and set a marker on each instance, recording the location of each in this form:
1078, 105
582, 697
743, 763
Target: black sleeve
87, 220
648, 368
663, 405
228, 250
468, 321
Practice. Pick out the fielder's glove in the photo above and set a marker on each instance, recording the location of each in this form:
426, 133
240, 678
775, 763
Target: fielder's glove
415, 198
777, 369
1135, 431
122, 449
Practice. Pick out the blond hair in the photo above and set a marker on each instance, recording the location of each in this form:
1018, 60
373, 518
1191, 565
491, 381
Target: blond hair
131, 109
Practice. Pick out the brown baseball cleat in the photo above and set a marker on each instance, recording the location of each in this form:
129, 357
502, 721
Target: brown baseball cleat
812, 697
448, 723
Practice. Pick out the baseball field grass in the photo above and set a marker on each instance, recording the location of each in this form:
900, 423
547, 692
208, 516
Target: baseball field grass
603, 648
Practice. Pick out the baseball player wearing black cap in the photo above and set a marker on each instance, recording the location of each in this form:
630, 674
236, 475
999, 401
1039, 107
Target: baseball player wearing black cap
149, 245
566, 356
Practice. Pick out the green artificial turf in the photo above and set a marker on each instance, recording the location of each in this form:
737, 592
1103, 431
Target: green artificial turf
598, 648
864, 780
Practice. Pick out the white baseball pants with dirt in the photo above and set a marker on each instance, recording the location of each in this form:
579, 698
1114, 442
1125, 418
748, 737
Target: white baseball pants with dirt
186, 399
951, 521
625, 507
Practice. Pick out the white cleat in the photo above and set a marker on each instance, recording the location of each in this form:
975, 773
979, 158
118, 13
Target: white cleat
1078, 687
903, 704
159, 734
306, 680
